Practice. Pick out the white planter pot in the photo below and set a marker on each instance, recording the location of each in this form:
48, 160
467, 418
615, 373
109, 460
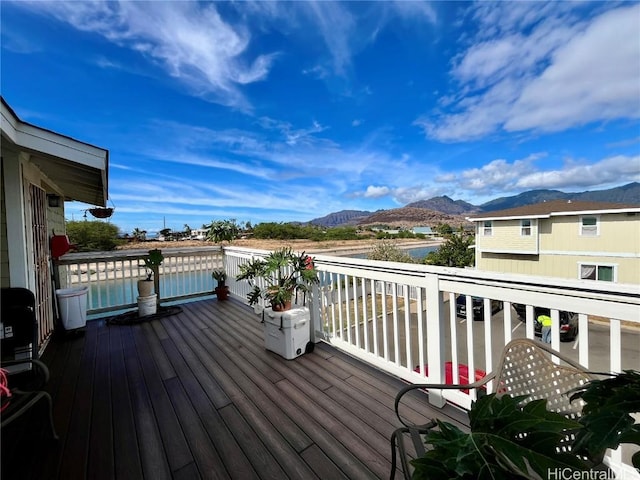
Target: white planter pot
145, 288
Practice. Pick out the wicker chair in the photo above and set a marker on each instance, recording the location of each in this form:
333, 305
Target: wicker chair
525, 368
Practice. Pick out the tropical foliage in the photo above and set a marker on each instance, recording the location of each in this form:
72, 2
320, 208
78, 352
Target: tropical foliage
509, 439
222, 230
456, 251
282, 273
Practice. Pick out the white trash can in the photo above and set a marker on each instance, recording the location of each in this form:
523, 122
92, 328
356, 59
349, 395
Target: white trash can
73, 307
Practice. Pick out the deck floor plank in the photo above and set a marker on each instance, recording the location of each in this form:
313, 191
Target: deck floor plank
263, 394
176, 446
196, 395
127, 458
152, 454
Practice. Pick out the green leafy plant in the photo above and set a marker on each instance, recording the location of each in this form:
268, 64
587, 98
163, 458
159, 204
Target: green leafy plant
283, 273
222, 230
219, 276
606, 417
509, 438
454, 252
152, 263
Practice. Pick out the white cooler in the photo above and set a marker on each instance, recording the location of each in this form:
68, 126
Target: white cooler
287, 333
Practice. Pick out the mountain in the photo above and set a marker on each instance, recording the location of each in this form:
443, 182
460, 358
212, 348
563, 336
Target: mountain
525, 198
629, 194
445, 205
343, 217
411, 217
444, 209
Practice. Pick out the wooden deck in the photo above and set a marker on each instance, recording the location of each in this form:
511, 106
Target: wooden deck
196, 395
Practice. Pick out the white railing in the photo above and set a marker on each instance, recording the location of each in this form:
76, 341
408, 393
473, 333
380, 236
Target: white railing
402, 318
112, 276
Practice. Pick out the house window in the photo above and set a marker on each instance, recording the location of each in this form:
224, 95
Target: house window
488, 228
525, 228
589, 226
603, 273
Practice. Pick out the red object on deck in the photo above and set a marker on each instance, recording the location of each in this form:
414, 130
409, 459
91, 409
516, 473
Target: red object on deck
60, 245
463, 374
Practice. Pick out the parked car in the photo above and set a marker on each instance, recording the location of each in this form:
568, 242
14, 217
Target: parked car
463, 374
568, 321
478, 307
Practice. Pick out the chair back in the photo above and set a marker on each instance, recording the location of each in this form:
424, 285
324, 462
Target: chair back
19, 332
527, 368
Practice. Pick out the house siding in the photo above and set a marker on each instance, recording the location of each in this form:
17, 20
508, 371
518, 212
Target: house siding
561, 266
618, 233
562, 249
4, 249
506, 237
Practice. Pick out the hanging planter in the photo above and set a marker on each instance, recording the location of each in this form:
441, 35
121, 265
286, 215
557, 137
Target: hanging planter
101, 212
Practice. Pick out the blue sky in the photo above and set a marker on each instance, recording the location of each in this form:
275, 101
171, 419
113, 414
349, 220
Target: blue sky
288, 111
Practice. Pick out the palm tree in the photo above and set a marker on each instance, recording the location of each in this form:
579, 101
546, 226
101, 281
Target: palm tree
139, 235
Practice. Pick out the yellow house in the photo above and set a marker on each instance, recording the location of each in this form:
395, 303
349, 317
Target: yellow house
567, 239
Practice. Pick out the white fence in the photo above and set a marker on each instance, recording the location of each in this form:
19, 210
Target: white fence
112, 276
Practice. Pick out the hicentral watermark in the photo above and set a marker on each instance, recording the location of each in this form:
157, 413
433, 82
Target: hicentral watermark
571, 474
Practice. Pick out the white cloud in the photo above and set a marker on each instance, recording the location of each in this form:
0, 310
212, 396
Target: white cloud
188, 39
507, 177
577, 174
564, 72
376, 192
407, 195
596, 76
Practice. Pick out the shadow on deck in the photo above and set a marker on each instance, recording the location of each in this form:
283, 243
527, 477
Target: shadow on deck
196, 395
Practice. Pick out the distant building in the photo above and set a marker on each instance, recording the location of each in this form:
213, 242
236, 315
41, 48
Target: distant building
567, 239
424, 231
199, 234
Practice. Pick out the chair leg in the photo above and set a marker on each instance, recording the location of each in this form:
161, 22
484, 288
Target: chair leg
54, 435
394, 435
35, 398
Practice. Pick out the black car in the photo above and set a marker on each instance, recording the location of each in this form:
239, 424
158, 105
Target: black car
478, 307
568, 321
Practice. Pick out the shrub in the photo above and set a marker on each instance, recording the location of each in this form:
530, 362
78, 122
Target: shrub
93, 235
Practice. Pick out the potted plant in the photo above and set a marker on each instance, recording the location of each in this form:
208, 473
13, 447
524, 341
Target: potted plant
221, 290
152, 264
283, 274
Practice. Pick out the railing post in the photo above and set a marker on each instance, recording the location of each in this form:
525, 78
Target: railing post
435, 337
316, 333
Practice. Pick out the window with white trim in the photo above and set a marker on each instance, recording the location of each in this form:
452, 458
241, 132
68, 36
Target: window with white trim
589, 226
525, 228
603, 273
487, 230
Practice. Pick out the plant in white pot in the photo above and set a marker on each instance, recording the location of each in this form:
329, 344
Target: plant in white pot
221, 290
277, 278
283, 274
152, 264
